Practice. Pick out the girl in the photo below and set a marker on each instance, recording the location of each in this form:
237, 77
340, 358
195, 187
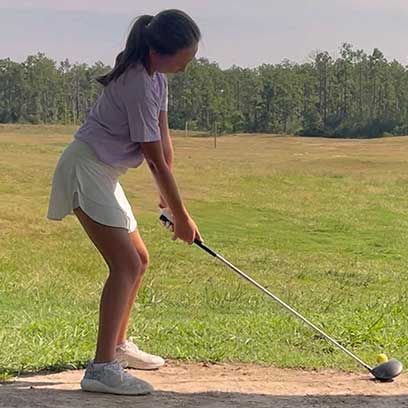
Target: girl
127, 124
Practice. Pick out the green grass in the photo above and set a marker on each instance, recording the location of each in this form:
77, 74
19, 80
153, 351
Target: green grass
321, 223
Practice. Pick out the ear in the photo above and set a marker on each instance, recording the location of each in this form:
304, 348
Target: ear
154, 54
155, 57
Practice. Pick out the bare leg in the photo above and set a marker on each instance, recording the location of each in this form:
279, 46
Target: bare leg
125, 268
144, 258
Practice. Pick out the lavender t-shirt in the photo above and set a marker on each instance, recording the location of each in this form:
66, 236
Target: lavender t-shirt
125, 115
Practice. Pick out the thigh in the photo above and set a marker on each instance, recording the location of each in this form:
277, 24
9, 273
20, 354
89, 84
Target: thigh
114, 244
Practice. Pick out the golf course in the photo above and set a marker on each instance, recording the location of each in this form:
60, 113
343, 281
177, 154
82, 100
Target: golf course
321, 223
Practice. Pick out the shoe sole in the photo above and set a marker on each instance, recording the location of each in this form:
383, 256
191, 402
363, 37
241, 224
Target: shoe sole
147, 367
96, 386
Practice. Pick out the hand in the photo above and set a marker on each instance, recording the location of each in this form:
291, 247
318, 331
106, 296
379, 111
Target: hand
168, 214
186, 230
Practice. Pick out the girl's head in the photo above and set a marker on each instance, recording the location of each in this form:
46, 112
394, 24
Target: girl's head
164, 43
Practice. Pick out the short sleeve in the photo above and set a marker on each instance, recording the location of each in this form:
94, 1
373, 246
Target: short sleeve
165, 97
143, 114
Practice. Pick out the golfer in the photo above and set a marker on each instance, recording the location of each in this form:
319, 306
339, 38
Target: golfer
127, 124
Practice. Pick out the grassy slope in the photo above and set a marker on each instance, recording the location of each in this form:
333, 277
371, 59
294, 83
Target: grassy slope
321, 223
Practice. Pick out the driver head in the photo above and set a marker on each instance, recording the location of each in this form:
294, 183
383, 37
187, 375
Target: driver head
388, 370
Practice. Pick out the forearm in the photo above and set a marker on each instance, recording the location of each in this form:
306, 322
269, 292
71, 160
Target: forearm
168, 189
168, 153
169, 161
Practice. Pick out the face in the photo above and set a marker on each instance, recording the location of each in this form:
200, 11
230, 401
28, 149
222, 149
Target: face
171, 64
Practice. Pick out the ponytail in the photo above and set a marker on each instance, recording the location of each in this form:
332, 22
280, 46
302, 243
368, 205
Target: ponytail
136, 51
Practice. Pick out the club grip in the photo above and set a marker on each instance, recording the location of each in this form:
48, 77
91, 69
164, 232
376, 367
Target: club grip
165, 219
196, 241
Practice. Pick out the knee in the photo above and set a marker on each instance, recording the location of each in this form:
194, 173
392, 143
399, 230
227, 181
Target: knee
144, 261
129, 268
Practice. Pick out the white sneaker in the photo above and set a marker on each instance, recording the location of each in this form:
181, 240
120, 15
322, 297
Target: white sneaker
111, 378
129, 355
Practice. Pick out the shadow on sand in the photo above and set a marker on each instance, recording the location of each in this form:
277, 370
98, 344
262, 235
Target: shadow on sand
24, 394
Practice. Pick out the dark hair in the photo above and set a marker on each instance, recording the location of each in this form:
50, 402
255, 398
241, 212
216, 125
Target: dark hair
166, 33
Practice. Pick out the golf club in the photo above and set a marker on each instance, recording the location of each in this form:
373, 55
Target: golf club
383, 372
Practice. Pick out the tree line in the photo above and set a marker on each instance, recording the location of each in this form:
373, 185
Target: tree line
354, 94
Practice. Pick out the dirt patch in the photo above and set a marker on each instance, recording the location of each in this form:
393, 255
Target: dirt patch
214, 386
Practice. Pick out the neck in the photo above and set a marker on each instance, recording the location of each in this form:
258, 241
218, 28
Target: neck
150, 68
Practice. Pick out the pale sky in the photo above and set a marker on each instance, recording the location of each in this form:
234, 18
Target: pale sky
241, 32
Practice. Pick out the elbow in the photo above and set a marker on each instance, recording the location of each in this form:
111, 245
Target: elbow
156, 168
152, 166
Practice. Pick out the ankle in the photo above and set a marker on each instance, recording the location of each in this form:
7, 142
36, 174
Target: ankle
100, 363
103, 358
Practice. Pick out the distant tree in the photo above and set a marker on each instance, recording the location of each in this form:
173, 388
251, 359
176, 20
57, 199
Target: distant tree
352, 95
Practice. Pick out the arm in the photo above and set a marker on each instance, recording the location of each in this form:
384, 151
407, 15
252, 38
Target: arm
167, 147
146, 129
184, 226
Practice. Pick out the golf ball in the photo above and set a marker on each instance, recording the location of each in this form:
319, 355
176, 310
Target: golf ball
382, 358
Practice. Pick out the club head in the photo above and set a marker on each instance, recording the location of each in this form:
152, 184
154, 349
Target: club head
388, 370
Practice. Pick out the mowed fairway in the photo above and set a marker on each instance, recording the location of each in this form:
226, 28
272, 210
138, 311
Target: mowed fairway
322, 223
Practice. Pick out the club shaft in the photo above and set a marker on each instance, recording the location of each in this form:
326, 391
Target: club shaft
282, 303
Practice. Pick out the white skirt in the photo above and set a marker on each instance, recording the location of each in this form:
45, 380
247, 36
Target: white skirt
82, 180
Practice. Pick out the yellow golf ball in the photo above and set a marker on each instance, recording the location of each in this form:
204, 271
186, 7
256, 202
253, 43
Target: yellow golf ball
382, 358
